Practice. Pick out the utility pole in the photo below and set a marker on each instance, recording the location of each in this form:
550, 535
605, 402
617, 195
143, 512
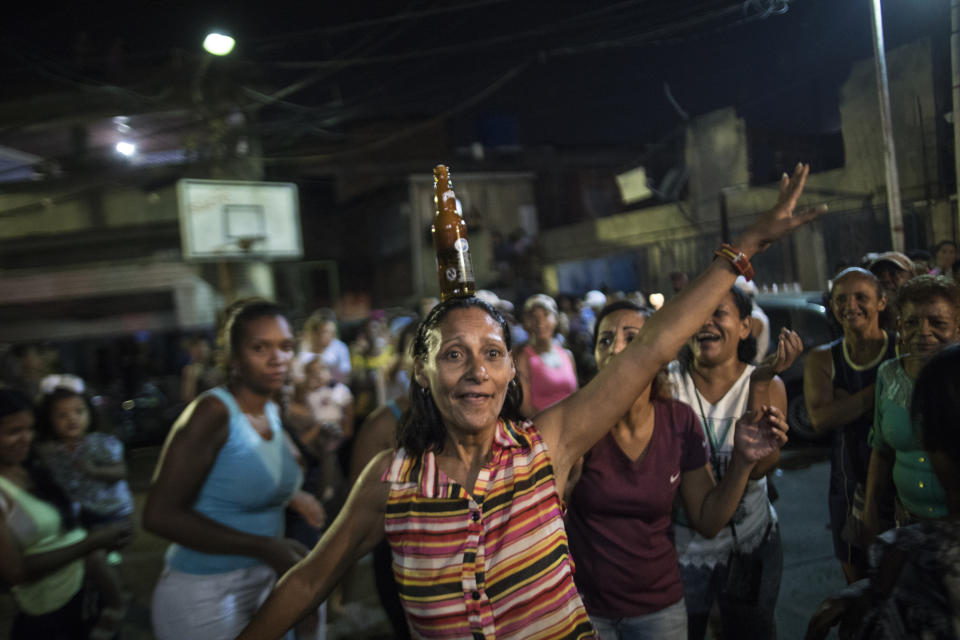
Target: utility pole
955, 72
886, 126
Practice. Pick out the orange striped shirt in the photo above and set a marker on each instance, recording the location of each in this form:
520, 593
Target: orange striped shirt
493, 564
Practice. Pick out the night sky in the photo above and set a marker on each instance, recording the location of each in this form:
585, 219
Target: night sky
546, 72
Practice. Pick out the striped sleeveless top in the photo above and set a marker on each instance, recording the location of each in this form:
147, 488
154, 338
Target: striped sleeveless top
493, 564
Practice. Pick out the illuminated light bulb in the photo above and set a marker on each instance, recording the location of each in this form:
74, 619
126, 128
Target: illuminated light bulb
218, 44
125, 148
656, 300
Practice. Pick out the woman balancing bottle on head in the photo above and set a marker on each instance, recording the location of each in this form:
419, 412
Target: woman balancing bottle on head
454, 268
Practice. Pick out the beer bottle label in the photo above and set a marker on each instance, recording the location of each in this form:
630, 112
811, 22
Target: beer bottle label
459, 267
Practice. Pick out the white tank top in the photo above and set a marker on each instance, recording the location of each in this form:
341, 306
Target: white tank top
755, 512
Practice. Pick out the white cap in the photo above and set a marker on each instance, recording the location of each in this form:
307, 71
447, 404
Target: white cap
540, 300
595, 299
51, 383
746, 286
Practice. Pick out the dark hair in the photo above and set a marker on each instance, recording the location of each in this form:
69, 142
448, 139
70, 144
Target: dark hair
942, 244
746, 348
44, 411
44, 486
935, 404
421, 429
618, 305
13, 401
235, 320
660, 387
922, 289
319, 318
407, 334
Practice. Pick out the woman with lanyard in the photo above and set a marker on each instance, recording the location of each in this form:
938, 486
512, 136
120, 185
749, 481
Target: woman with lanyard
619, 516
470, 502
741, 566
838, 383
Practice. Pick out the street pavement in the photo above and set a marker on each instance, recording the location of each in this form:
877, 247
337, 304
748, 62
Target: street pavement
810, 571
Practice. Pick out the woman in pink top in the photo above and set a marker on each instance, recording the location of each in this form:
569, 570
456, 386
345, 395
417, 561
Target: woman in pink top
546, 370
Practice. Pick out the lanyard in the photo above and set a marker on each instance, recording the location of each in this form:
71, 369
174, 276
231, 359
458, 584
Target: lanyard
708, 428
714, 459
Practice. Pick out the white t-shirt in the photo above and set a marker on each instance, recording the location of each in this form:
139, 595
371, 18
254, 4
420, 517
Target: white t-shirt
755, 511
328, 404
763, 340
336, 356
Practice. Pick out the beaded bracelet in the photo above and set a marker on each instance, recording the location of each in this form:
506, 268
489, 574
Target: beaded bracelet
737, 258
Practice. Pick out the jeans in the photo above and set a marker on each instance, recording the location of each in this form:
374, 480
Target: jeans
669, 623
739, 619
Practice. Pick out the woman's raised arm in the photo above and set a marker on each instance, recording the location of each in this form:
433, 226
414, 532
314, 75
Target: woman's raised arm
572, 426
355, 532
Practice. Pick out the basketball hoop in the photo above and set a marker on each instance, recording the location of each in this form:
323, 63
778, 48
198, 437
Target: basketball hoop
246, 244
236, 220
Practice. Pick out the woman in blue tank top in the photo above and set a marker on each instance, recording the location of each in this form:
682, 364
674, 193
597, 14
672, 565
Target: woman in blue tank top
223, 482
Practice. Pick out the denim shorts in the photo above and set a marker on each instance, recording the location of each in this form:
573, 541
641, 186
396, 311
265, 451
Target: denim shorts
669, 623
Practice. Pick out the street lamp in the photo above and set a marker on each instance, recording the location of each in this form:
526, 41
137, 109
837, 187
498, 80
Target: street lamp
125, 148
218, 44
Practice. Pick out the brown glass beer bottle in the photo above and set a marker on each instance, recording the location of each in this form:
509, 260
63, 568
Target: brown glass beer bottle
454, 268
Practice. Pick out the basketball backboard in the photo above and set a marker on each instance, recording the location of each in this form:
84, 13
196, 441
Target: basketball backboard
237, 220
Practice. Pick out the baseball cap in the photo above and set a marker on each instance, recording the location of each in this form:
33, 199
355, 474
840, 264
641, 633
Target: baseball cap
595, 299
895, 258
540, 300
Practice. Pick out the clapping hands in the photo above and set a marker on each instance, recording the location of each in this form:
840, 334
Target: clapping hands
789, 348
759, 434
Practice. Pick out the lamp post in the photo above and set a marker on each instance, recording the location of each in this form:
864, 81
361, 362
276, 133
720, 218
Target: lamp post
886, 126
955, 75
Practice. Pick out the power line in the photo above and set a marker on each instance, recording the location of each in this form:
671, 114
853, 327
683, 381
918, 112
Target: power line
374, 22
404, 133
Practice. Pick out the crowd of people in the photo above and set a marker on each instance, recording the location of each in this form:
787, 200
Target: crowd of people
577, 468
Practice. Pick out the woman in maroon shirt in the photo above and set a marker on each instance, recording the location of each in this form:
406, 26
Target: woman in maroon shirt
619, 517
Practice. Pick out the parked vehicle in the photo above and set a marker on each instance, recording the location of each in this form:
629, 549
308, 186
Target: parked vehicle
805, 313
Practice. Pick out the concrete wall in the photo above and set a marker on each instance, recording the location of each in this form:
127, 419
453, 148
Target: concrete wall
679, 236
491, 202
195, 307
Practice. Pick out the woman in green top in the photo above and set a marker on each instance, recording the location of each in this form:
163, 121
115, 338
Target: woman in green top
929, 320
41, 553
